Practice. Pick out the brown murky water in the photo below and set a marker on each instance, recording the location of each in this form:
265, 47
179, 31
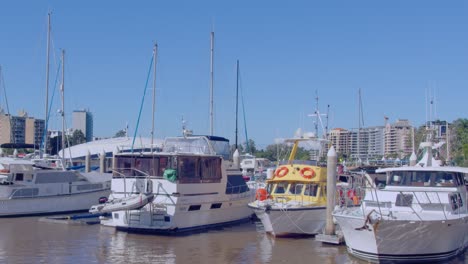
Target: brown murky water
28, 240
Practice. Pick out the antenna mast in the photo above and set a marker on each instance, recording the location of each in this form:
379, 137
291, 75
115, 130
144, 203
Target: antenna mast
317, 113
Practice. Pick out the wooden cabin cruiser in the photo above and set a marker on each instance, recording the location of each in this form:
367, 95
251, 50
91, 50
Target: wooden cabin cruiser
26, 189
190, 185
420, 215
294, 201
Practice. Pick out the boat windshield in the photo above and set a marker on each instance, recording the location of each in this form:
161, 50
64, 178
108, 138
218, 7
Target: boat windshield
299, 162
198, 145
424, 178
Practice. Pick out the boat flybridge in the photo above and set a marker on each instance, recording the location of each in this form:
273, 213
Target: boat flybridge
419, 215
185, 187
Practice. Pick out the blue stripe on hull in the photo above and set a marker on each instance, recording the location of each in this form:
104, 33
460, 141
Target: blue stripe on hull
414, 258
44, 214
181, 231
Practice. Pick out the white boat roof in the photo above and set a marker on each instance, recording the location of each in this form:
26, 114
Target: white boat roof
419, 168
7, 160
109, 145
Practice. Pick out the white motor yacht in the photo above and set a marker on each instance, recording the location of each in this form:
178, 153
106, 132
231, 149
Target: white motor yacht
26, 189
419, 215
190, 185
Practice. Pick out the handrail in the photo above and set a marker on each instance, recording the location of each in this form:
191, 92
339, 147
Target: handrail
430, 199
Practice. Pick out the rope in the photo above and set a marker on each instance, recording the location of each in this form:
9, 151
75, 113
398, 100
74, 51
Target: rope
44, 135
142, 101
245, 123
2, 80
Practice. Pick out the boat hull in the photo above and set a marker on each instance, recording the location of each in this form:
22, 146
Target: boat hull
50, 204
291, 221
403, 240
176, 219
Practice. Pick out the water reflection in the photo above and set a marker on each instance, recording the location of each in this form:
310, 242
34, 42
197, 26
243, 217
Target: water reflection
27, 240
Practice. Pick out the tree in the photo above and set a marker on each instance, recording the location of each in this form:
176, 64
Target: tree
459, 141
77, 138
251, 148
120, 133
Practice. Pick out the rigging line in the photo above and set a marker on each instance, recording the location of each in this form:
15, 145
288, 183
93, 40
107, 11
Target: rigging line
44, 135
142, 100
362, 110
2, 80
243, 111
68, 144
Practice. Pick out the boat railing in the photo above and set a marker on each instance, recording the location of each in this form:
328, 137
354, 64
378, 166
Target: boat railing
240, 192
132, 173
66, 189
440, 200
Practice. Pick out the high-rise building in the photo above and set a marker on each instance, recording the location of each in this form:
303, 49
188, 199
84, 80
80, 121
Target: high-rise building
83, 120
21, 129
398, 138
391, 140
339, 138
34, 131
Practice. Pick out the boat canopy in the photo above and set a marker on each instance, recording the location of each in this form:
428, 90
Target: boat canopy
208, 145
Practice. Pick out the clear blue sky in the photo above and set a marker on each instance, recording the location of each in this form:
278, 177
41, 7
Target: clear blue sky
394, 51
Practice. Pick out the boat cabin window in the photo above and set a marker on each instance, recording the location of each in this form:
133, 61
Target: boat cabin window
311, 190
423, 178
193, 169
19, 177
281, 187
295, 188
124, 165
188, 169
141, 166
210, 169
28, 177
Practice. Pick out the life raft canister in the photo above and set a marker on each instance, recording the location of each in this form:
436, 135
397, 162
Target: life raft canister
307, 173
261, 194
281, 172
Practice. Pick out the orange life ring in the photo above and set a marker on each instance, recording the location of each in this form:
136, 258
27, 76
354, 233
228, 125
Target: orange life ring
307, 173
281, 172
261, 194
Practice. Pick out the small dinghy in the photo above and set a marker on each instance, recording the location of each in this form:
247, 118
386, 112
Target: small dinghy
121, 204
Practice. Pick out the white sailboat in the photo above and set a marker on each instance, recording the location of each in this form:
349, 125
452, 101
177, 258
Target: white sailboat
42, 186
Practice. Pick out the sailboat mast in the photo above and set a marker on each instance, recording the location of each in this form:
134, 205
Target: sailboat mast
63, 105
211, 86
155, 52
359, 129
237, 98
47, 84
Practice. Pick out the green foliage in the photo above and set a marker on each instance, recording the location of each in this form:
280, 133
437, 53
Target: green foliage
275, 151
120, 133
459, 141
77, 138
